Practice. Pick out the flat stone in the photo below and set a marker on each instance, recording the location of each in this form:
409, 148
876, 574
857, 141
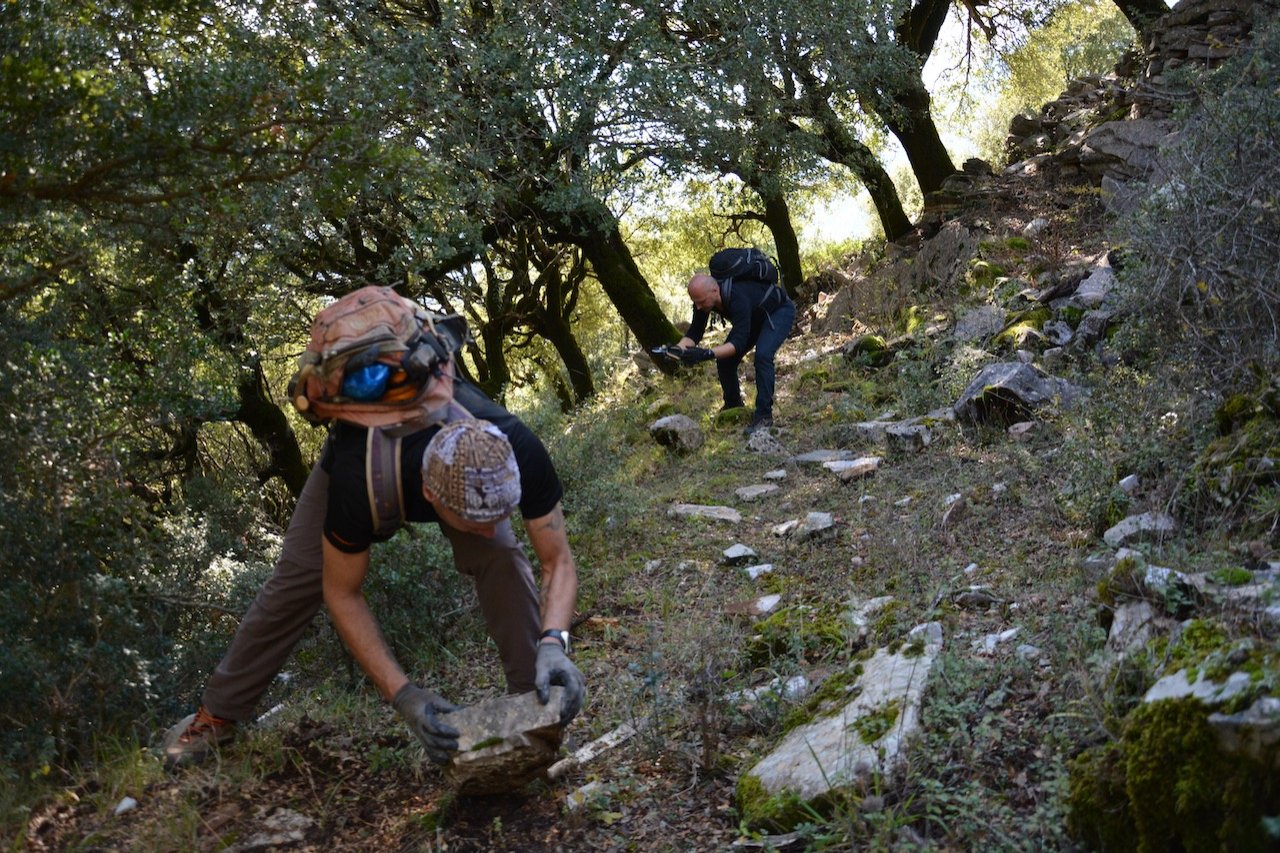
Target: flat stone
718, 513
860, 613
987, 645
775, 474
817, 457
1140, 527
1131, 628
737, 554
1177, 686
282, 828
830, 753
504, 743
756, 608
757, 572
853, 469
751, 493
786, 527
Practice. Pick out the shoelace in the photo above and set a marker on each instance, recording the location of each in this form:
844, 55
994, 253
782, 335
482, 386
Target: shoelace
204, 720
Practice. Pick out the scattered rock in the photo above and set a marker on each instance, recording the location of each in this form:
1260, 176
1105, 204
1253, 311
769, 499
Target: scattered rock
988, 644
1253, 733
738, 554
1144, 527
678, 432
976, 598
1007, 392
819, 457
748, 494
853, 469
718, 513
776, 474
282, 828
908, 438
867, 737
756, 572
1176, 686
762, 441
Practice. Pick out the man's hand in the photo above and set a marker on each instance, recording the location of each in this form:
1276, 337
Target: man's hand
554, 667
419, 708
695, 355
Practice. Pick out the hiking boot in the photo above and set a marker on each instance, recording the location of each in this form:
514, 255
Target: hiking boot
195, 736
758, 424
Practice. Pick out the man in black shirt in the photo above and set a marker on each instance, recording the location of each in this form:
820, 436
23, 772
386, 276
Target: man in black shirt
760, 316
467, 476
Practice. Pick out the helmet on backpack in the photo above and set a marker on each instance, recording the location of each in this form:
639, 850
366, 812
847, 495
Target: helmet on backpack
376, 358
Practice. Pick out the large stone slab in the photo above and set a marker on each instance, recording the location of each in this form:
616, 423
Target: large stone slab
1143, 527
504, 743
1008, 392
867, 736
679, 432
718, 513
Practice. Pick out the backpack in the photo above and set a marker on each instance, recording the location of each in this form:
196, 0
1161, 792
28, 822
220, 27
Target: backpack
374, 360
728, 265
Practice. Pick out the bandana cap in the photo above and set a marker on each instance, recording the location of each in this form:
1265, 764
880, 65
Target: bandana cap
470, 467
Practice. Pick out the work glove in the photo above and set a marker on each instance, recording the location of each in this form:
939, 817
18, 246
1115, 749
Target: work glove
554, 667
420, 708
695, 355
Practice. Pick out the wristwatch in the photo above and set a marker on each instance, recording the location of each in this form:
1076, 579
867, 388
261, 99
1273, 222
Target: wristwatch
555, 633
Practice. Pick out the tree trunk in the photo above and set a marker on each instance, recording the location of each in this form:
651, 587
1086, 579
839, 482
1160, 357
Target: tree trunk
557, 331
1141, 14
910, 120
271, 428
848, 151
777, 218
596, 233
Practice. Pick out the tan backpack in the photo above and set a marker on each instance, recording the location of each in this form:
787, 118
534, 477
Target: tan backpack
377, 359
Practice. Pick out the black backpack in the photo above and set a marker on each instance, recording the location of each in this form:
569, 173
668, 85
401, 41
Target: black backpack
740, 264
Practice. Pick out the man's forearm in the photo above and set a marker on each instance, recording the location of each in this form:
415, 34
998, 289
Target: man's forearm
343, 577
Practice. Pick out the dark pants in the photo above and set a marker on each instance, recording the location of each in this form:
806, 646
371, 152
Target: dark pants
288, 601
767, 334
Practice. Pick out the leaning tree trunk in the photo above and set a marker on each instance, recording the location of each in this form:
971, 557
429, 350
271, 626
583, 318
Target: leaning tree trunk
777, 218
596, 233
558, 332
847, 150
909, 118
271, 428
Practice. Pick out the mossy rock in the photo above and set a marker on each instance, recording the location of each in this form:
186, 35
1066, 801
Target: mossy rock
1231, 576
1233, 466
1017, 244
732, 417
913, 319
869, 351
762, 810
831, 695
1071, 315
1165, 785
983, 274
795, 632
1123, 582
1237, 410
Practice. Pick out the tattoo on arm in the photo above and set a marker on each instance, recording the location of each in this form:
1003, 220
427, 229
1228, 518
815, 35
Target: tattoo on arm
555, 521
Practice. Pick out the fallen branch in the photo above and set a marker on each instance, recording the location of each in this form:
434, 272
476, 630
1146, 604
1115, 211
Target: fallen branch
594, 749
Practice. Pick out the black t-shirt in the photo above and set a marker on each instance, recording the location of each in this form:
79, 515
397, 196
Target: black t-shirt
348, 524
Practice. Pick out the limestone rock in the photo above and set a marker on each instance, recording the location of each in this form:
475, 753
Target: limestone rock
1146, 526
908, 438
1177, 686
1253, 733
762, 441
868, 736
853, 469
282, 828
979, 324
1008, 391
752, 493
504, 743
820, 456
718, 513
679, 432
738, 554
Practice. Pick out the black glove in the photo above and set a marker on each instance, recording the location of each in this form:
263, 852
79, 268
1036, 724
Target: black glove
554, 667
419, 708
695, 355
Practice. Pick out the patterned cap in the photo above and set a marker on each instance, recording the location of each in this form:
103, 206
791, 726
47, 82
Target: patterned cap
470, 467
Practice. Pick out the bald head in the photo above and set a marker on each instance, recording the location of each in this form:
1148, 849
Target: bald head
704, 292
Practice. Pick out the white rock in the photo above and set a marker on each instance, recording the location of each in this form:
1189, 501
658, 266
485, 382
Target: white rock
756, 572
128, 804
776, 474
719, 513
1177, 686
751, 493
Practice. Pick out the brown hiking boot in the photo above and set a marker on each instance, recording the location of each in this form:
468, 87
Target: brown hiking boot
195, 736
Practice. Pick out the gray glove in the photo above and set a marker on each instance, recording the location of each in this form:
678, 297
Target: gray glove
554, 667
419, 708
696, 355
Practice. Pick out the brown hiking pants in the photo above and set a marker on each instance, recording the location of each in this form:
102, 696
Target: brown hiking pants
289, 599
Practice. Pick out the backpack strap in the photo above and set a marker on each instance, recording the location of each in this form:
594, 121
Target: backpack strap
382, 471
382, 476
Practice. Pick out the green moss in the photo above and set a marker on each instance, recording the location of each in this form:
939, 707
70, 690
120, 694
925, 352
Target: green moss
913, 319
1166, 786
869, 351
1016, 336
831, 694
875, 725
1018, 244
1123, 582
760, 809
1198, 639
732, 417
814, 376
1071, 316
795, 632
983, 274
486, 743
1238, 409
1231, 576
